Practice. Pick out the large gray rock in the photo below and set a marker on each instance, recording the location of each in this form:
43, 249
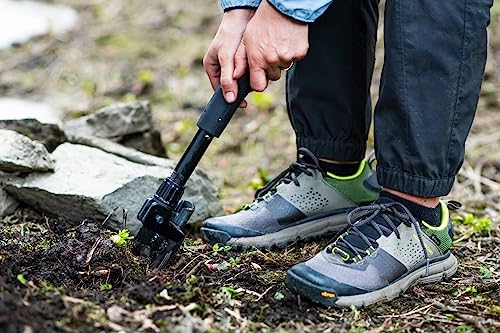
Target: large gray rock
18, 153
113, 121
89, 183
7, 203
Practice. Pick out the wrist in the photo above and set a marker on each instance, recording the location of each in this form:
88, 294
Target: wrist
239, 13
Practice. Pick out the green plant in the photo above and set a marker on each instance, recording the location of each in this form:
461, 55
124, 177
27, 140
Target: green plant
105, 287
121, 237
22, 280
191, 279
470, 290
278, 296
221, 248
262, 100
230, 292
478, 225
486, 272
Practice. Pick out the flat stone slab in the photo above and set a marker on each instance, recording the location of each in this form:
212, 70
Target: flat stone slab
88, 183
113, 121
18, 153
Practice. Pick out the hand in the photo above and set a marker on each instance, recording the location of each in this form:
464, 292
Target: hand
270, 43
219, 59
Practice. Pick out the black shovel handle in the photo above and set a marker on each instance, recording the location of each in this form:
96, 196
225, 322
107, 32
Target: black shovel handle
218, 112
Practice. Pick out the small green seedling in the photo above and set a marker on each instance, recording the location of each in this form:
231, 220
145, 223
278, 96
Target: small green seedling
278, 296
22, 280
121, 237
230, 291
221, 248
471, 290
191, 279
105, 287
486, 272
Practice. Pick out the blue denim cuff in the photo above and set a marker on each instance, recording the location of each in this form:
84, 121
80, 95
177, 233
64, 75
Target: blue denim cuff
228, 4
301, 10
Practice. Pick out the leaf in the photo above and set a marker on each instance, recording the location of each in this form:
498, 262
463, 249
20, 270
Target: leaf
230, 291
145, 76
486, 272
262, 100
278, 296
105, 287
471, 289
22, 280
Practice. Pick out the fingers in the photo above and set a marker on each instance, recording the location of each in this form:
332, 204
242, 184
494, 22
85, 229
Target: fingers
212, 67
227, 82
240, 61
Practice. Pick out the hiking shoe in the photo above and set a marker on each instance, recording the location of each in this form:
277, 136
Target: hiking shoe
302, 202
383, 253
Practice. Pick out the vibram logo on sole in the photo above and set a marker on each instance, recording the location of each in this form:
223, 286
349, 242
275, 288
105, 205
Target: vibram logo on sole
327, 294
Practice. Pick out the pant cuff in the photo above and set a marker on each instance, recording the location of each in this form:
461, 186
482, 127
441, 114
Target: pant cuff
413, 184
333, 149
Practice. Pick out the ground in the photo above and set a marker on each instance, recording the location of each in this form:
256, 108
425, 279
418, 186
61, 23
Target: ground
60, 277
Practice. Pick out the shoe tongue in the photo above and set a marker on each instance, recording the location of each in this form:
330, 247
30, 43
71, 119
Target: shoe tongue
368, 230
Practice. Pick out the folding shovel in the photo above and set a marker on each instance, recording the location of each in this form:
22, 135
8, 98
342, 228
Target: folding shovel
165, 214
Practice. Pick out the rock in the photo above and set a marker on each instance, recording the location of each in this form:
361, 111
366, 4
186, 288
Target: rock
122, 151
50, 135
114, 121
89, 183
147, 142
7, 203
18, 153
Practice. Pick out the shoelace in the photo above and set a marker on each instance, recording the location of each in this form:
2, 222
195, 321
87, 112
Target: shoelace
366, 215
288, 175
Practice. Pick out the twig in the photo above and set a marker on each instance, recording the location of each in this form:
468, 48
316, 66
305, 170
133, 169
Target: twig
468, 318
418, 310
109, 216
92, 250
264, 293
48, 225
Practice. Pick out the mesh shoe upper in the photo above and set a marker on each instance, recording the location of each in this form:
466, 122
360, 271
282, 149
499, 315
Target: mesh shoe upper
359, 261
298, 193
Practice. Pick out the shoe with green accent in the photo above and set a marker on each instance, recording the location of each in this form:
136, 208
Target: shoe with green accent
301, 203
382, 252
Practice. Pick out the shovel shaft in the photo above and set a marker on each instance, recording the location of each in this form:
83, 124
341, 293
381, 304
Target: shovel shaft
211, 123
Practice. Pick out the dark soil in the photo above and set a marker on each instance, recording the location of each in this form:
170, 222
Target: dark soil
54, 275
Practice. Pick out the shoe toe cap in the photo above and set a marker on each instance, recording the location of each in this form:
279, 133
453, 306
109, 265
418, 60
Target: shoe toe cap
317, 286
221, 228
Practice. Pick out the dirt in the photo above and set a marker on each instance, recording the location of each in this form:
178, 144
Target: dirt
55, 277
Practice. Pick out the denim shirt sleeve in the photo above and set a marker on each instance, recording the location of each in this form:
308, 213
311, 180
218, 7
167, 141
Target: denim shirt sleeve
300, 10
228, 4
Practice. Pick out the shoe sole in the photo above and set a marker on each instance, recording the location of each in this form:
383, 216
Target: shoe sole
438, 271
282, 238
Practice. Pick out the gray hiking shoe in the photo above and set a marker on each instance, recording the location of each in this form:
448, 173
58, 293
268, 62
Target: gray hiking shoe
302, 202
383, 253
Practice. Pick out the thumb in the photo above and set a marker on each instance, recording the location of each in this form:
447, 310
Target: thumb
228, 84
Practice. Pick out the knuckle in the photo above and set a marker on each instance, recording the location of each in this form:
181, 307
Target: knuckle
226, 82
